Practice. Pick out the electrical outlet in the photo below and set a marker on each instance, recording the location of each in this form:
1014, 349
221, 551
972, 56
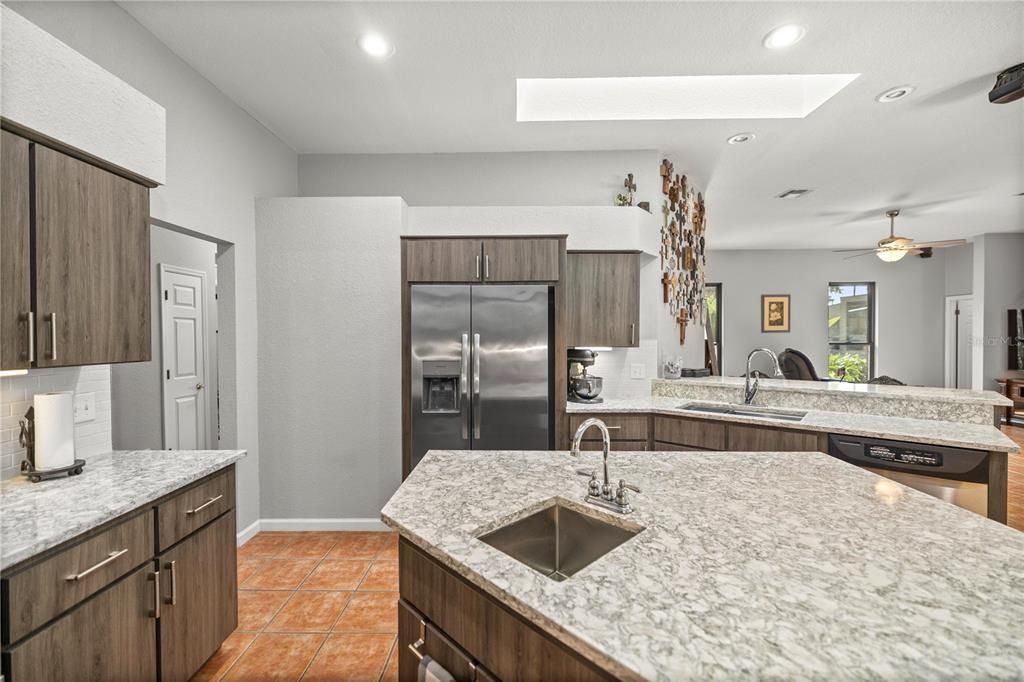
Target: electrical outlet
637, 371
85, 407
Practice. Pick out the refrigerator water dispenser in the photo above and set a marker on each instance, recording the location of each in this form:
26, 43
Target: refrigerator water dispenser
441, 386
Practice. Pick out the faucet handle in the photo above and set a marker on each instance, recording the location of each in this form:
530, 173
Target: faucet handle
622, 494
587, 472
623, 486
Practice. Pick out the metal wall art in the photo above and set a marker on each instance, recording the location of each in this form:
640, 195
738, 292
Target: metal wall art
682, 249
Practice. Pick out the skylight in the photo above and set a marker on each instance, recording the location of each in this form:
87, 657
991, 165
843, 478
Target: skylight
675, 97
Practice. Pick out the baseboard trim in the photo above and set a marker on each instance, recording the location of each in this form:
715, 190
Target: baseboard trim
248, 532
370, 524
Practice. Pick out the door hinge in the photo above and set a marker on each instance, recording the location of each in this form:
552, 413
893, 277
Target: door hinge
165, 294
168, 374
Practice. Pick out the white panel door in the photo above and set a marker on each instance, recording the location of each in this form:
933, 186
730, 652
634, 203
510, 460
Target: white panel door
183, 331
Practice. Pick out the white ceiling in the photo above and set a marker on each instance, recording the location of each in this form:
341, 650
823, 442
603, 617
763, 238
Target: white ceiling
951, 160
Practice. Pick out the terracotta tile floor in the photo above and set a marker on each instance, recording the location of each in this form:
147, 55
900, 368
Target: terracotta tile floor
1015, 482
313, 606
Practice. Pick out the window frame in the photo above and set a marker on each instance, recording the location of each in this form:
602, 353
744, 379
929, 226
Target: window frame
872, 343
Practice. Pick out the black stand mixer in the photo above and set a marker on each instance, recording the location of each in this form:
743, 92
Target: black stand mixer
583, 387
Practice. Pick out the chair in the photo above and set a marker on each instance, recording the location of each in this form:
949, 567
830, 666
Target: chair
796, 365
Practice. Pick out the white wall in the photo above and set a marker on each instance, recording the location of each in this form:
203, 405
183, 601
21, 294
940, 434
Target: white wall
218, 159
909, 299
998, 287
494, 179
329, 364
137, 387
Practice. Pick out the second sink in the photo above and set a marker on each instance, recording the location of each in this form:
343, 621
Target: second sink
558, 541
745, 411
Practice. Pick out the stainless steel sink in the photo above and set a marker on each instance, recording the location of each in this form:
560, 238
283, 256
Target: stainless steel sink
745, 411
558, 541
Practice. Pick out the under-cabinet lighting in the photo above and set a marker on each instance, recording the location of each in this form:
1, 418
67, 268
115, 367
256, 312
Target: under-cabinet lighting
12, 372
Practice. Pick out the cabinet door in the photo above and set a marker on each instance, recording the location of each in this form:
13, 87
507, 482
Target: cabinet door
443, 260
92, 264
521, 260
603, 299
109, 637
15, 259
200, 598
761, 439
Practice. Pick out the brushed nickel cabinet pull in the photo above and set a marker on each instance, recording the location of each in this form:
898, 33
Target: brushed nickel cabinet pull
173, 599
487, 267
418, 644
155, 611
203, 506
478, 267
53, 336
31, 336
632, 333
613, 428
75, 577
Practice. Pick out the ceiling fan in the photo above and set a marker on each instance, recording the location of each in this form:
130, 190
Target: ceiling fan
893, 248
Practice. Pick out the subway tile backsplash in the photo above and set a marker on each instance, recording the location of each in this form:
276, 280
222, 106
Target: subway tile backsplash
91, 438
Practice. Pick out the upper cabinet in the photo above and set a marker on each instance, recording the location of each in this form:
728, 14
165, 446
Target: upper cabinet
90, 257
468, 260
602, 295
16, 318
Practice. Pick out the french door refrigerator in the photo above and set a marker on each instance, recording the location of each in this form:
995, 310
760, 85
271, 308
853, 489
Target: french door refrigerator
482, 361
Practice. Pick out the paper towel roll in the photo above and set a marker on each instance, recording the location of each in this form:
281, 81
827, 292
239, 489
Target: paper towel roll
54, 430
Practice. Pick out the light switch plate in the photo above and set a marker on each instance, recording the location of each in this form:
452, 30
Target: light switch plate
85, 407
637, 371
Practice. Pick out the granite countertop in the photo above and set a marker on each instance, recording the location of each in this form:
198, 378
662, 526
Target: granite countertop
974, 436
750, 565
38, 516
931, 393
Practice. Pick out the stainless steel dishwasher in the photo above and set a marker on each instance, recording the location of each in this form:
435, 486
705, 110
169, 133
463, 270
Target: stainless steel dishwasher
956, 475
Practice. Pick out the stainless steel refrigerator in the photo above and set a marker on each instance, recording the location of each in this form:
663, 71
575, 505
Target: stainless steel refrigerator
482, 368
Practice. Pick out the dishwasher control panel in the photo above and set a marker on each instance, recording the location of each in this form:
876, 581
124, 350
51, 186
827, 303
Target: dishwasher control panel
925, 458
902, 455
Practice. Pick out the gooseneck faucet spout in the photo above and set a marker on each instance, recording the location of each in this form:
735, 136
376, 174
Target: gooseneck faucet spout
603, 495
750, 391
606, 445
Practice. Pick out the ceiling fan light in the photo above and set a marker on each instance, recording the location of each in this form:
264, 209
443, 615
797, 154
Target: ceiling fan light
891, 255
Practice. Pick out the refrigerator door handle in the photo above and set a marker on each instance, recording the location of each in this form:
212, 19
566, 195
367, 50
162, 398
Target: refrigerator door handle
476, 386
464, 387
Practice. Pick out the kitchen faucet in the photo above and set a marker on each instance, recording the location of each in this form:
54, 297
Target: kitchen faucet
750, 391
606, 495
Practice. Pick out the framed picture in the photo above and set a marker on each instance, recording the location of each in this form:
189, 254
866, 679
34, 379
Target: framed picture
775, 313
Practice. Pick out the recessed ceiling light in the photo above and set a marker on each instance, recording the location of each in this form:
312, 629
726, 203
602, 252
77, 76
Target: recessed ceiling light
376, 46
667, 98
784, 36
740, 138
793, 193
893, 94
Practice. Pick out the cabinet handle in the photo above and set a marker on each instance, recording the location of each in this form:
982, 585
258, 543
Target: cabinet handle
478, 267
632, 333
53, 336
203, 506
173, 599
75, 577
613, 428
415, 646
155, 611
487, 267
31, 336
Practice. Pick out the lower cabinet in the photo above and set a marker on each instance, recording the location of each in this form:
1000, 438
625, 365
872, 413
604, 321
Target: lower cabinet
112, 636
199, 598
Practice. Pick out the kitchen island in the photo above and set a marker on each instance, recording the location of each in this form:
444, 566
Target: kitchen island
754, 564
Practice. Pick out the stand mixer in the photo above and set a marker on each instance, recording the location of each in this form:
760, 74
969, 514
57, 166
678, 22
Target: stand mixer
583, 387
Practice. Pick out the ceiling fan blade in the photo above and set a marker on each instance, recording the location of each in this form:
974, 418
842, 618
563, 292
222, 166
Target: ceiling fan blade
864, 253
938, 245
850, 250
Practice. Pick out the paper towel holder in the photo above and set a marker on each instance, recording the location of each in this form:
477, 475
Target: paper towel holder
27, 438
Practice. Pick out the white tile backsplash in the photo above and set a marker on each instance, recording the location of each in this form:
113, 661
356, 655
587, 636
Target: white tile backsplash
91, 438
614, 367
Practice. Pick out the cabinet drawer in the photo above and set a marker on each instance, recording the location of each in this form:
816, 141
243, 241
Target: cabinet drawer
194, 507
660, 446
761, 439
707, 435
412, 626
110, 637
617, 445
45, 590
621, 426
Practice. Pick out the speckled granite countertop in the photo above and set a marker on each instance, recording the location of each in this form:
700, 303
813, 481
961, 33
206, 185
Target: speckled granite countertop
750, 566
974, 436
37, 516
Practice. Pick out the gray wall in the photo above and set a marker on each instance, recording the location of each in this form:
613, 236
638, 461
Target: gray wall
329, 365
495, 179
218, 159
137, 387
909, 297
998, 287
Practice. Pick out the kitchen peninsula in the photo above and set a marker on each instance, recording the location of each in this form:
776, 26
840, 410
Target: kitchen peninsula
786, 565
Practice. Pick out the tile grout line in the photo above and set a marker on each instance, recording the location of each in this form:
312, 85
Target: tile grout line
387, 659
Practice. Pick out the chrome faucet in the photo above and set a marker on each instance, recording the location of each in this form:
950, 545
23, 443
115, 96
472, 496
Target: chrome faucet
603, 495
750, 391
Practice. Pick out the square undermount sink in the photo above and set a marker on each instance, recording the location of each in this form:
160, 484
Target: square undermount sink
558, 541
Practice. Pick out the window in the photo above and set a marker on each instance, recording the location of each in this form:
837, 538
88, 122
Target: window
713, 331
851, 330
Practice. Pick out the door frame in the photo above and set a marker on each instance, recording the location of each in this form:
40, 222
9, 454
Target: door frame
164, 270
947, 326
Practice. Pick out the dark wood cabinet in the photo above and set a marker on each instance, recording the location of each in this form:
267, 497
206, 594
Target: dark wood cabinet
443, 260
748, 438
603, 298
110, 637
701, 434
91, 264
521, 260
15, 264
200, 600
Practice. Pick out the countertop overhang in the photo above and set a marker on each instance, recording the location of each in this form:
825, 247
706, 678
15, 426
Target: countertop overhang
955, 434
35, 517
750, 565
